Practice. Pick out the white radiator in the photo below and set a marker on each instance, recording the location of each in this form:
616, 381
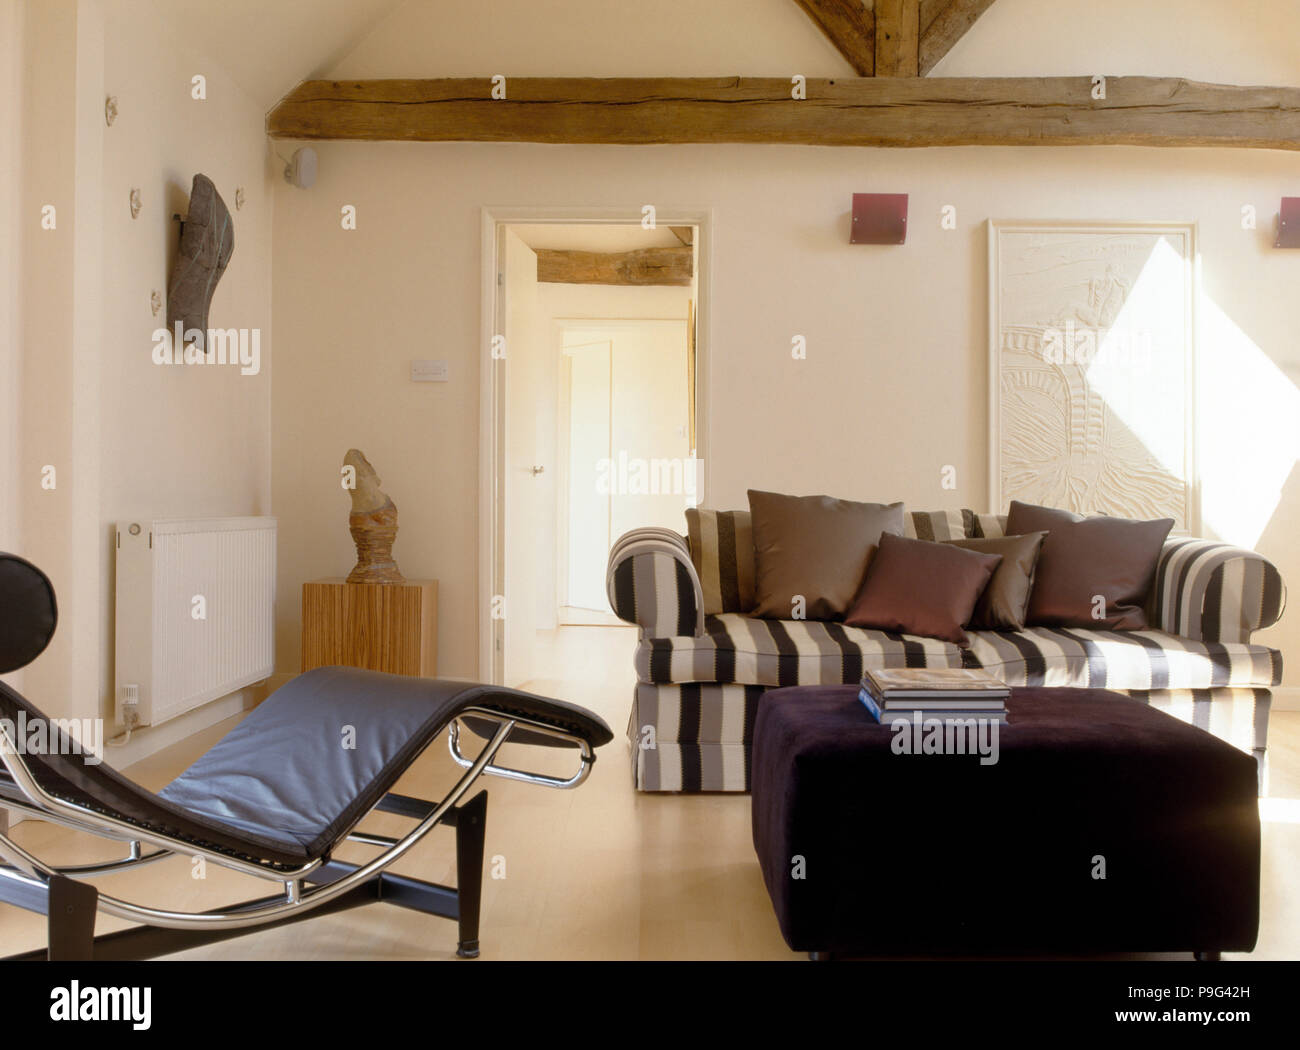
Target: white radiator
195, 611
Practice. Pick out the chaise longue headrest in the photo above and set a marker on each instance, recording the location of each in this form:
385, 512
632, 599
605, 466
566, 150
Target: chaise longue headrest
28, 612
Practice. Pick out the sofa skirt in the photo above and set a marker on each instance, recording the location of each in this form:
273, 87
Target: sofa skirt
696, 736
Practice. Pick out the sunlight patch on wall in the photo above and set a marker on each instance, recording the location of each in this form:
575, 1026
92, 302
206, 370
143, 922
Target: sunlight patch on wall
1249, 436
1140, 366
1247, 409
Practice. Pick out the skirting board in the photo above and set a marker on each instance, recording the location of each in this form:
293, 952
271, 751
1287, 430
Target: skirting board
146, 742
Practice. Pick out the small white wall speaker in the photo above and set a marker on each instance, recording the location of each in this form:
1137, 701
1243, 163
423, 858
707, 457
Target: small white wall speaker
301, 169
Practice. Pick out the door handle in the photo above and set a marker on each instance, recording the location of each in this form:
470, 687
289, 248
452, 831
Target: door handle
537, 470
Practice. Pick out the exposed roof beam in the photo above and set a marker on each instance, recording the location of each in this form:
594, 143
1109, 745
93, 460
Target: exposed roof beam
644, 266
898, 37
895, 111
850, 26
947, 27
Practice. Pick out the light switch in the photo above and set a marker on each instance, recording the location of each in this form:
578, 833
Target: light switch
430, 372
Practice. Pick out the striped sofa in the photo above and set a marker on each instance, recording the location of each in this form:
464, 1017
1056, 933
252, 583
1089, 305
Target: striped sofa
702, 663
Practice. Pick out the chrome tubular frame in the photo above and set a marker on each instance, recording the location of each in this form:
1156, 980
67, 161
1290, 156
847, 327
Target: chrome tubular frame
134, 858
367, 839
294, 900
47, 805
587, 758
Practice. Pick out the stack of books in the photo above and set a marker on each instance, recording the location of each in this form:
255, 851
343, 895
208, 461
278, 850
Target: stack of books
938, 692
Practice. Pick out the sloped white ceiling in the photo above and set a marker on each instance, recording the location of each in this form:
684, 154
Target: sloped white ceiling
1255, 42
599, 38
270, 46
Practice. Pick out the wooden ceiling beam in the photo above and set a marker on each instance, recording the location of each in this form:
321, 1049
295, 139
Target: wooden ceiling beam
898, 37
945, 27
930, 10
871, 111
850, 26
644, 266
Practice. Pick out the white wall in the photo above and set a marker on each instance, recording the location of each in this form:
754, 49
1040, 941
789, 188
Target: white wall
894, 385
178, 441
129, 439
12, 221
13, 218
57, 374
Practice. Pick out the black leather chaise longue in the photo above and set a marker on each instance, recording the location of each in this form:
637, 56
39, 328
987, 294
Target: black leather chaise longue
274, 799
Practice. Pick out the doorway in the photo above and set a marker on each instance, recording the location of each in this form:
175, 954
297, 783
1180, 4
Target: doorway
594, 414
625, 454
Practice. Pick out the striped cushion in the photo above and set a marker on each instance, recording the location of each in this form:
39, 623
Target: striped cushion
1122, 659
742, 649
722, 550
980, 526
936, 525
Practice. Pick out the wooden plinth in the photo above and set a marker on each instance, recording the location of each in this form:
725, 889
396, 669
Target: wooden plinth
389, 627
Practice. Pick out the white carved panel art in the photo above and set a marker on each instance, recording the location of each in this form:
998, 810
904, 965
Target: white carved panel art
1091, 368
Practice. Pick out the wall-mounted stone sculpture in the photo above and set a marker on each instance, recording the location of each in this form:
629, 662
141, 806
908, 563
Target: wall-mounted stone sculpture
207, 242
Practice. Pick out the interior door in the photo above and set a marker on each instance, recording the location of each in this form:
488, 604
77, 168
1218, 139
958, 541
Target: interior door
587, 369
628, 460
651, 426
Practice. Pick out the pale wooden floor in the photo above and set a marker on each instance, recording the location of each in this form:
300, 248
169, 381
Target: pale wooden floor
597, 873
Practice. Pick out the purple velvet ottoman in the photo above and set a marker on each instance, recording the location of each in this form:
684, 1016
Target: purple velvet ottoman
1102, 826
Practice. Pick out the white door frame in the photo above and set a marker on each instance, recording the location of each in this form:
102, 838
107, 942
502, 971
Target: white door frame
491, 419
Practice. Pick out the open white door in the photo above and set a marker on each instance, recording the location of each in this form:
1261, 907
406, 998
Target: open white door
523, 524
628, 460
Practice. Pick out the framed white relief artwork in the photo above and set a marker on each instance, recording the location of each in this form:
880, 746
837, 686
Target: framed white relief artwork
1091, 368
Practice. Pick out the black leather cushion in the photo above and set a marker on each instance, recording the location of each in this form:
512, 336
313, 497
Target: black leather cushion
312, 760
28, 612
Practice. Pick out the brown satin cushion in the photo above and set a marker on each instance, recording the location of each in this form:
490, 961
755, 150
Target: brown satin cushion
1005, 601
921, 587
1082, 558
814, 546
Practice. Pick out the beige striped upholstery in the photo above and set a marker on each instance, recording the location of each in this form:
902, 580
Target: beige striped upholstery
750, 651
652, 583
693, 737
702, 666
1215, 592
722, 550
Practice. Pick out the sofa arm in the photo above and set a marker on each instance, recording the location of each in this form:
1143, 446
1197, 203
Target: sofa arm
651, 582
1214, 592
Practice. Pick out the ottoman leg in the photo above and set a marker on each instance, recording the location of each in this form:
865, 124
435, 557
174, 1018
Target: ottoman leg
1207, 956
